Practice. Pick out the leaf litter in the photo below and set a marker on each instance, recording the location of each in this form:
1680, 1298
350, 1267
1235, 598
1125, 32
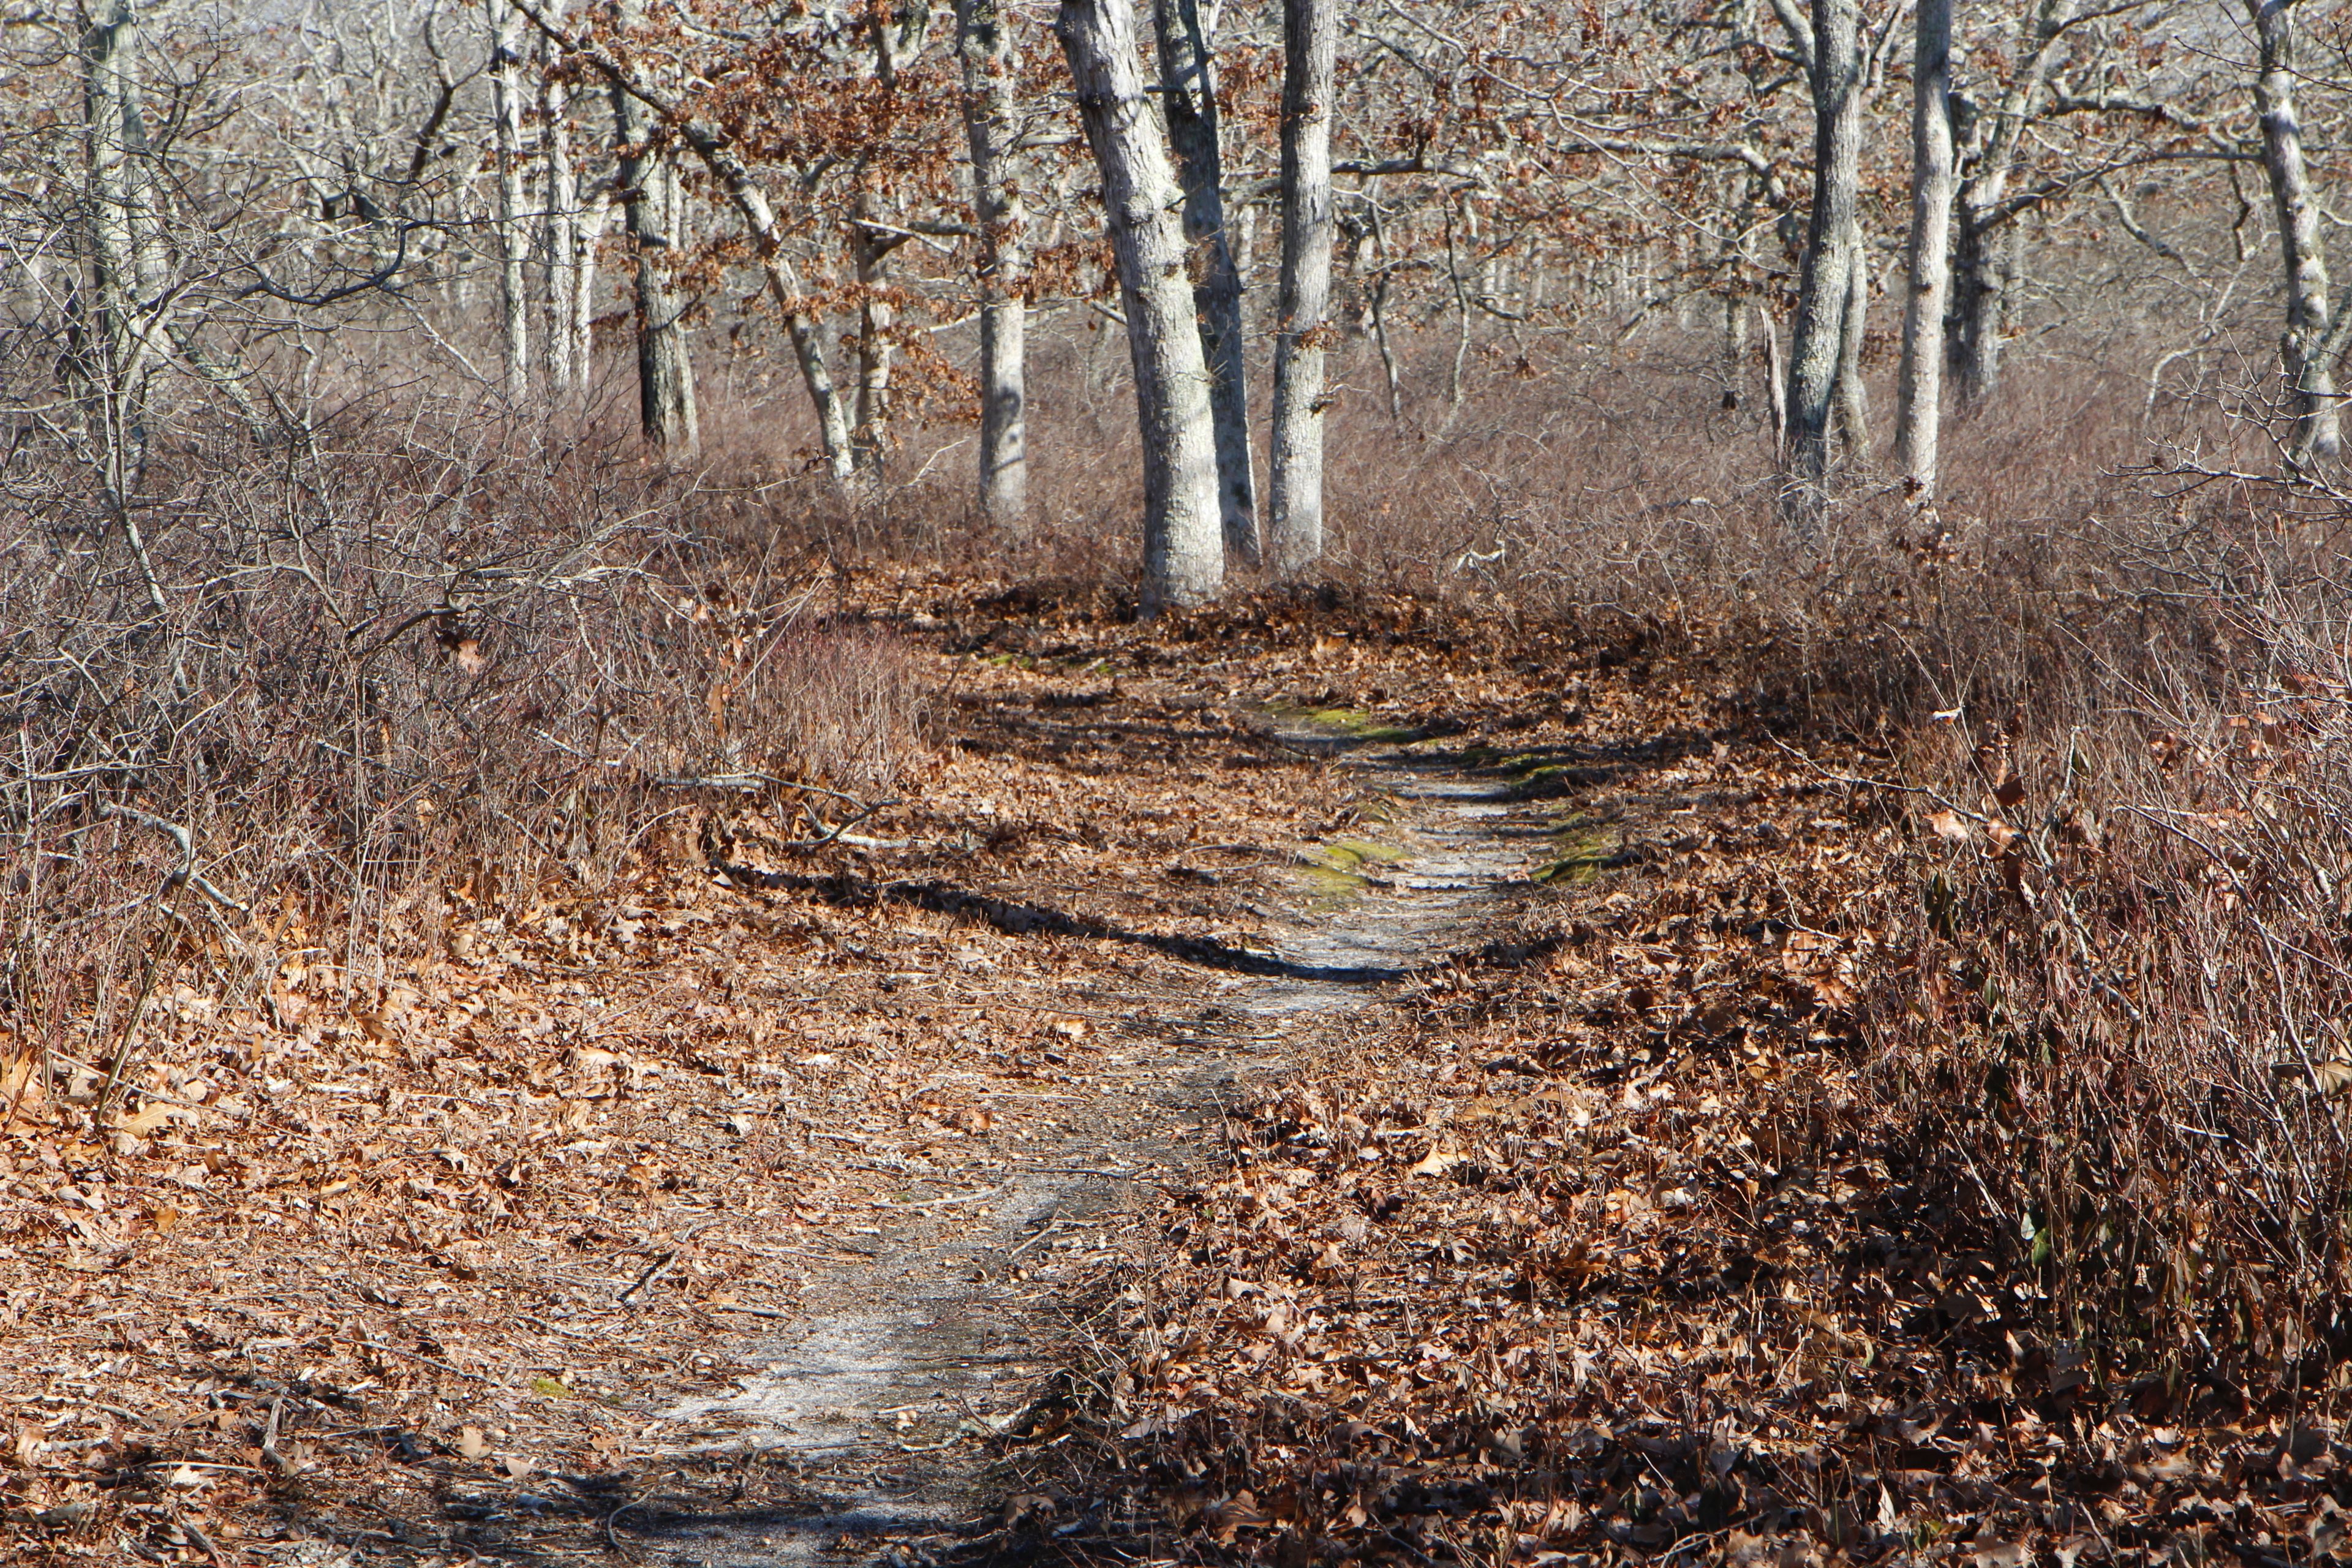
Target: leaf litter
1586, 1257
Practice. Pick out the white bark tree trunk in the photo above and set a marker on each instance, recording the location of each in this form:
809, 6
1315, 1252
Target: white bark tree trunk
111, 364
1188, 96
650, 197
992, 125
559, 224
512, 227
2310, 378
1928, 275
1825, 283
1183, 561
1311, 42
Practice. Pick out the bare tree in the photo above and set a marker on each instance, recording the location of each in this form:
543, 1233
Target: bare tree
1189, 96
2310, 378
1310, 44
1825, 282
1928, 276
992, 125
558, 222
512, 227
749, 195
1183, 562
651, 198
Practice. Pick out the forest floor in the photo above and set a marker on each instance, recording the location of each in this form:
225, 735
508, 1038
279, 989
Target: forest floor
1316, 1081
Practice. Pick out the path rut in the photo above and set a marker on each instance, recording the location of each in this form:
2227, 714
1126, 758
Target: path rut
877, 1397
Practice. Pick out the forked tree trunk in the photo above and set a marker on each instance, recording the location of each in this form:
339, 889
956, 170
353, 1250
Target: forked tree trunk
1189, 93
1311, 42
1927, 278
2310, 378
1825, 283
1183, 561
1981, 285
993, 127
513, 228
649, 196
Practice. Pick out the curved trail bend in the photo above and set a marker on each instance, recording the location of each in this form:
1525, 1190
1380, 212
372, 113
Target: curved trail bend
878, 1397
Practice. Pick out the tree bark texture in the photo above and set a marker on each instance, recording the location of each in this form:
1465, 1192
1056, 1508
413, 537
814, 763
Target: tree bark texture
1926, 271
650, 196
1189, 96
588, 234
1311, 42
513, 227
1184, 560
1852, 391
109, 46
2310, 378
993, 127
1825, 283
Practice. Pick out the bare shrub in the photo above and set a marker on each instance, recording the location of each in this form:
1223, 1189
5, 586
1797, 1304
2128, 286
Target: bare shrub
2119, 1040
304, 696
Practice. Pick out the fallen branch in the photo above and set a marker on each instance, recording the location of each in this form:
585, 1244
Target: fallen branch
185, 872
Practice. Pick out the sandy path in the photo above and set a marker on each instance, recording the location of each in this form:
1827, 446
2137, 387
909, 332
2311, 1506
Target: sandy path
877, 1400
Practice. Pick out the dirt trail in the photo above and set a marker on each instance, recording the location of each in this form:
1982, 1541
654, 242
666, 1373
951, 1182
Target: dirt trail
877, 1399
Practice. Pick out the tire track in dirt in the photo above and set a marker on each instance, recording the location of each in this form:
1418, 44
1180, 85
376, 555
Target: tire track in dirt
878, 1399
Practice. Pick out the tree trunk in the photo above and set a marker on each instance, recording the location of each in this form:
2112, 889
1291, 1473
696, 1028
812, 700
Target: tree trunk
1183, 562
513, 230
1927, 282
588, 237
109, 52
1188, 92
1825, 283
1735, 349
559, 223
124, 235
875, 319
2310, 379
992, 125
650, 195
1852, 391
1311, 42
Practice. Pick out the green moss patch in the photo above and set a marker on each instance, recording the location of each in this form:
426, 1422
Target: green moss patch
1581, 849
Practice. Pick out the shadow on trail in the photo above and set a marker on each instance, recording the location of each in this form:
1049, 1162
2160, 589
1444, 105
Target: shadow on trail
846, 890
